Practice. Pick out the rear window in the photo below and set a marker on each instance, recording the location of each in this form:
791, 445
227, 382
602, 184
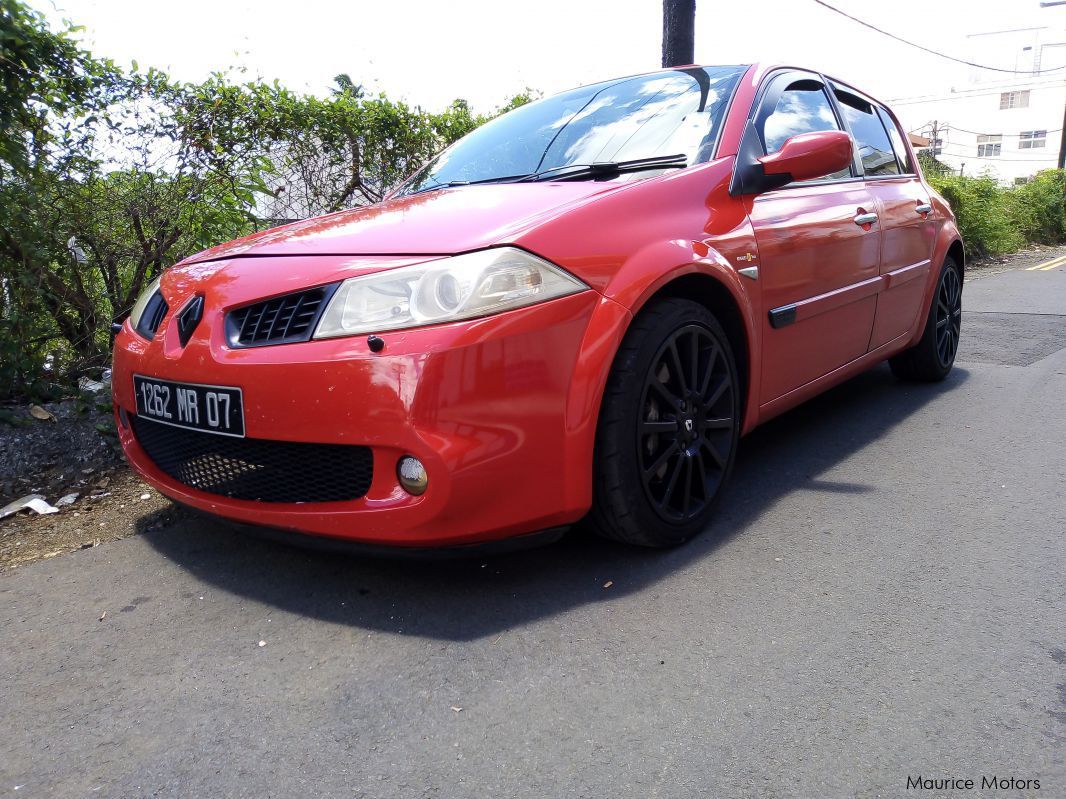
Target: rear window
871, 138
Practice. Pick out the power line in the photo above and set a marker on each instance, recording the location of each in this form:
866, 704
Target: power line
934, 52
983, 133
995, 158
947, 127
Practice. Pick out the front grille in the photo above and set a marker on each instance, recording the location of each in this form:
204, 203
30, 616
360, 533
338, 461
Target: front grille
152, 316
256, 468
282, 320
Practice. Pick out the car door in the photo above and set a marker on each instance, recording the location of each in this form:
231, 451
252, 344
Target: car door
908, 231
819, 249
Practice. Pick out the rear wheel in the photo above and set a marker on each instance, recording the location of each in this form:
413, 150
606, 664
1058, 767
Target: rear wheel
668, 427
932, 357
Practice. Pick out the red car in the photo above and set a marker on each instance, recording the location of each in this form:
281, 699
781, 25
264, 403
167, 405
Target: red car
575, 312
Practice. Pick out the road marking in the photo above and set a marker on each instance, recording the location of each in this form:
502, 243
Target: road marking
1047, 264
1051, 266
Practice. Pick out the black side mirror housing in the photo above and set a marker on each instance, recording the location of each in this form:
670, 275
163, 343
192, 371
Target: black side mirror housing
749, 176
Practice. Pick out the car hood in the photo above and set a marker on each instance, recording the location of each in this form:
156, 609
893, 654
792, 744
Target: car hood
441, 222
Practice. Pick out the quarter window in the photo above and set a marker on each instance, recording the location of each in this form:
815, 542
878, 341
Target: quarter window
1009, 100
989, 146
871, 138
1032, 139
902, 154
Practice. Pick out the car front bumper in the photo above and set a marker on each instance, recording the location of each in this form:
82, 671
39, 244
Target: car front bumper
501, 411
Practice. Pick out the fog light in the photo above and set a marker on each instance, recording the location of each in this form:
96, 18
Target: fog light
412, 475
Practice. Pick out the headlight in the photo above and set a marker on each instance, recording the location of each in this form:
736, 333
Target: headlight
142, 303
445, 290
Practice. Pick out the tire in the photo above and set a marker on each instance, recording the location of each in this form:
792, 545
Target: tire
932, 357
668, 428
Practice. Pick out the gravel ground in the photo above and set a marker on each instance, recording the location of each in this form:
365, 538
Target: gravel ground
62, 456
55, 457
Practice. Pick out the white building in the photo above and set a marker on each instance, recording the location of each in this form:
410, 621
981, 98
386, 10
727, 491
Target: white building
1006, 125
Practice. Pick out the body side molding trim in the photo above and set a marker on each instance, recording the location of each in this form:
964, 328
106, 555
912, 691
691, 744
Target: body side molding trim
783, 316
831, 300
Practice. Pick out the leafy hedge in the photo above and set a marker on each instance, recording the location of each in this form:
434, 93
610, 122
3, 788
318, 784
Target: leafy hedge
994, 219
108, 175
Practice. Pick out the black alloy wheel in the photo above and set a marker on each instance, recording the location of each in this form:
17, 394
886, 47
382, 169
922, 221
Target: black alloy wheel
948, 316
668, 427
933, 356
685, 429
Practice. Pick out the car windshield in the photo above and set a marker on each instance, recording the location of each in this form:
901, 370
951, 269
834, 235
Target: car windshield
672, 113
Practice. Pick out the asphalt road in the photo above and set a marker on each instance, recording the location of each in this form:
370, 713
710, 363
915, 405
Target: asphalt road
882, 596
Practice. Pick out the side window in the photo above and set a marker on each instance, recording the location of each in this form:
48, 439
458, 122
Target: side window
875, 149
802, 108
902, 155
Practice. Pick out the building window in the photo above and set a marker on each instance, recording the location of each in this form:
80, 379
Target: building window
988, 146
1021, 181
1032, 139
1013, 100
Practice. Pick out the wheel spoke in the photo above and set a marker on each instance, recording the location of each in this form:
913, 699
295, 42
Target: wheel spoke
705, 383
718, 423
659, 461
716, 456
686, 498
719, 390
672, 400
675, 368
701, 472
674, 474
694, 360
649, 428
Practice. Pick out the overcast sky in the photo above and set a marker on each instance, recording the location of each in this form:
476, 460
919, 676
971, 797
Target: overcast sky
429, 52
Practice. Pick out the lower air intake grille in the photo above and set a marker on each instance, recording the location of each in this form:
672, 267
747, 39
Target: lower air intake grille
256, 468
282, 320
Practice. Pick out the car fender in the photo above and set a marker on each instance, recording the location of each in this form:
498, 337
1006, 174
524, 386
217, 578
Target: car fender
636, 282
643, 276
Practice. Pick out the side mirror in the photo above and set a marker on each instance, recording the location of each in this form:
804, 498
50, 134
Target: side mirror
803, 157
810, 155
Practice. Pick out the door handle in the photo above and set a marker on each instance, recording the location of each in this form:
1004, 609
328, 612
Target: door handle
924, 208
865, 219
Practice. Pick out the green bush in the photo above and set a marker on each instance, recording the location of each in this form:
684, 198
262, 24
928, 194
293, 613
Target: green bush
994, 219
984, 212
1040, 207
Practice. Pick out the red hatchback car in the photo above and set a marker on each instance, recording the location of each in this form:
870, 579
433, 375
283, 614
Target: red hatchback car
574, 312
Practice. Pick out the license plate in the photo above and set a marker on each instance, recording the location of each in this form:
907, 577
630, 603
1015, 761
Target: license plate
212, 409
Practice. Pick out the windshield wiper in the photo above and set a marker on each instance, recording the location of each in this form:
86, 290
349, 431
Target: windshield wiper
451, 184
571, 172
599, 168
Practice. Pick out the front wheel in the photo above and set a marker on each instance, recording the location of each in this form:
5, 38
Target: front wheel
932, 357
668, 428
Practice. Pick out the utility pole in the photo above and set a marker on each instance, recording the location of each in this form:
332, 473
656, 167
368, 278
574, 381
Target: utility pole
1062, 143
679, 32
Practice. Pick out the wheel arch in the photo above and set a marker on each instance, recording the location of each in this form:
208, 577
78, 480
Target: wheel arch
713, 295
699, 274
957, 252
